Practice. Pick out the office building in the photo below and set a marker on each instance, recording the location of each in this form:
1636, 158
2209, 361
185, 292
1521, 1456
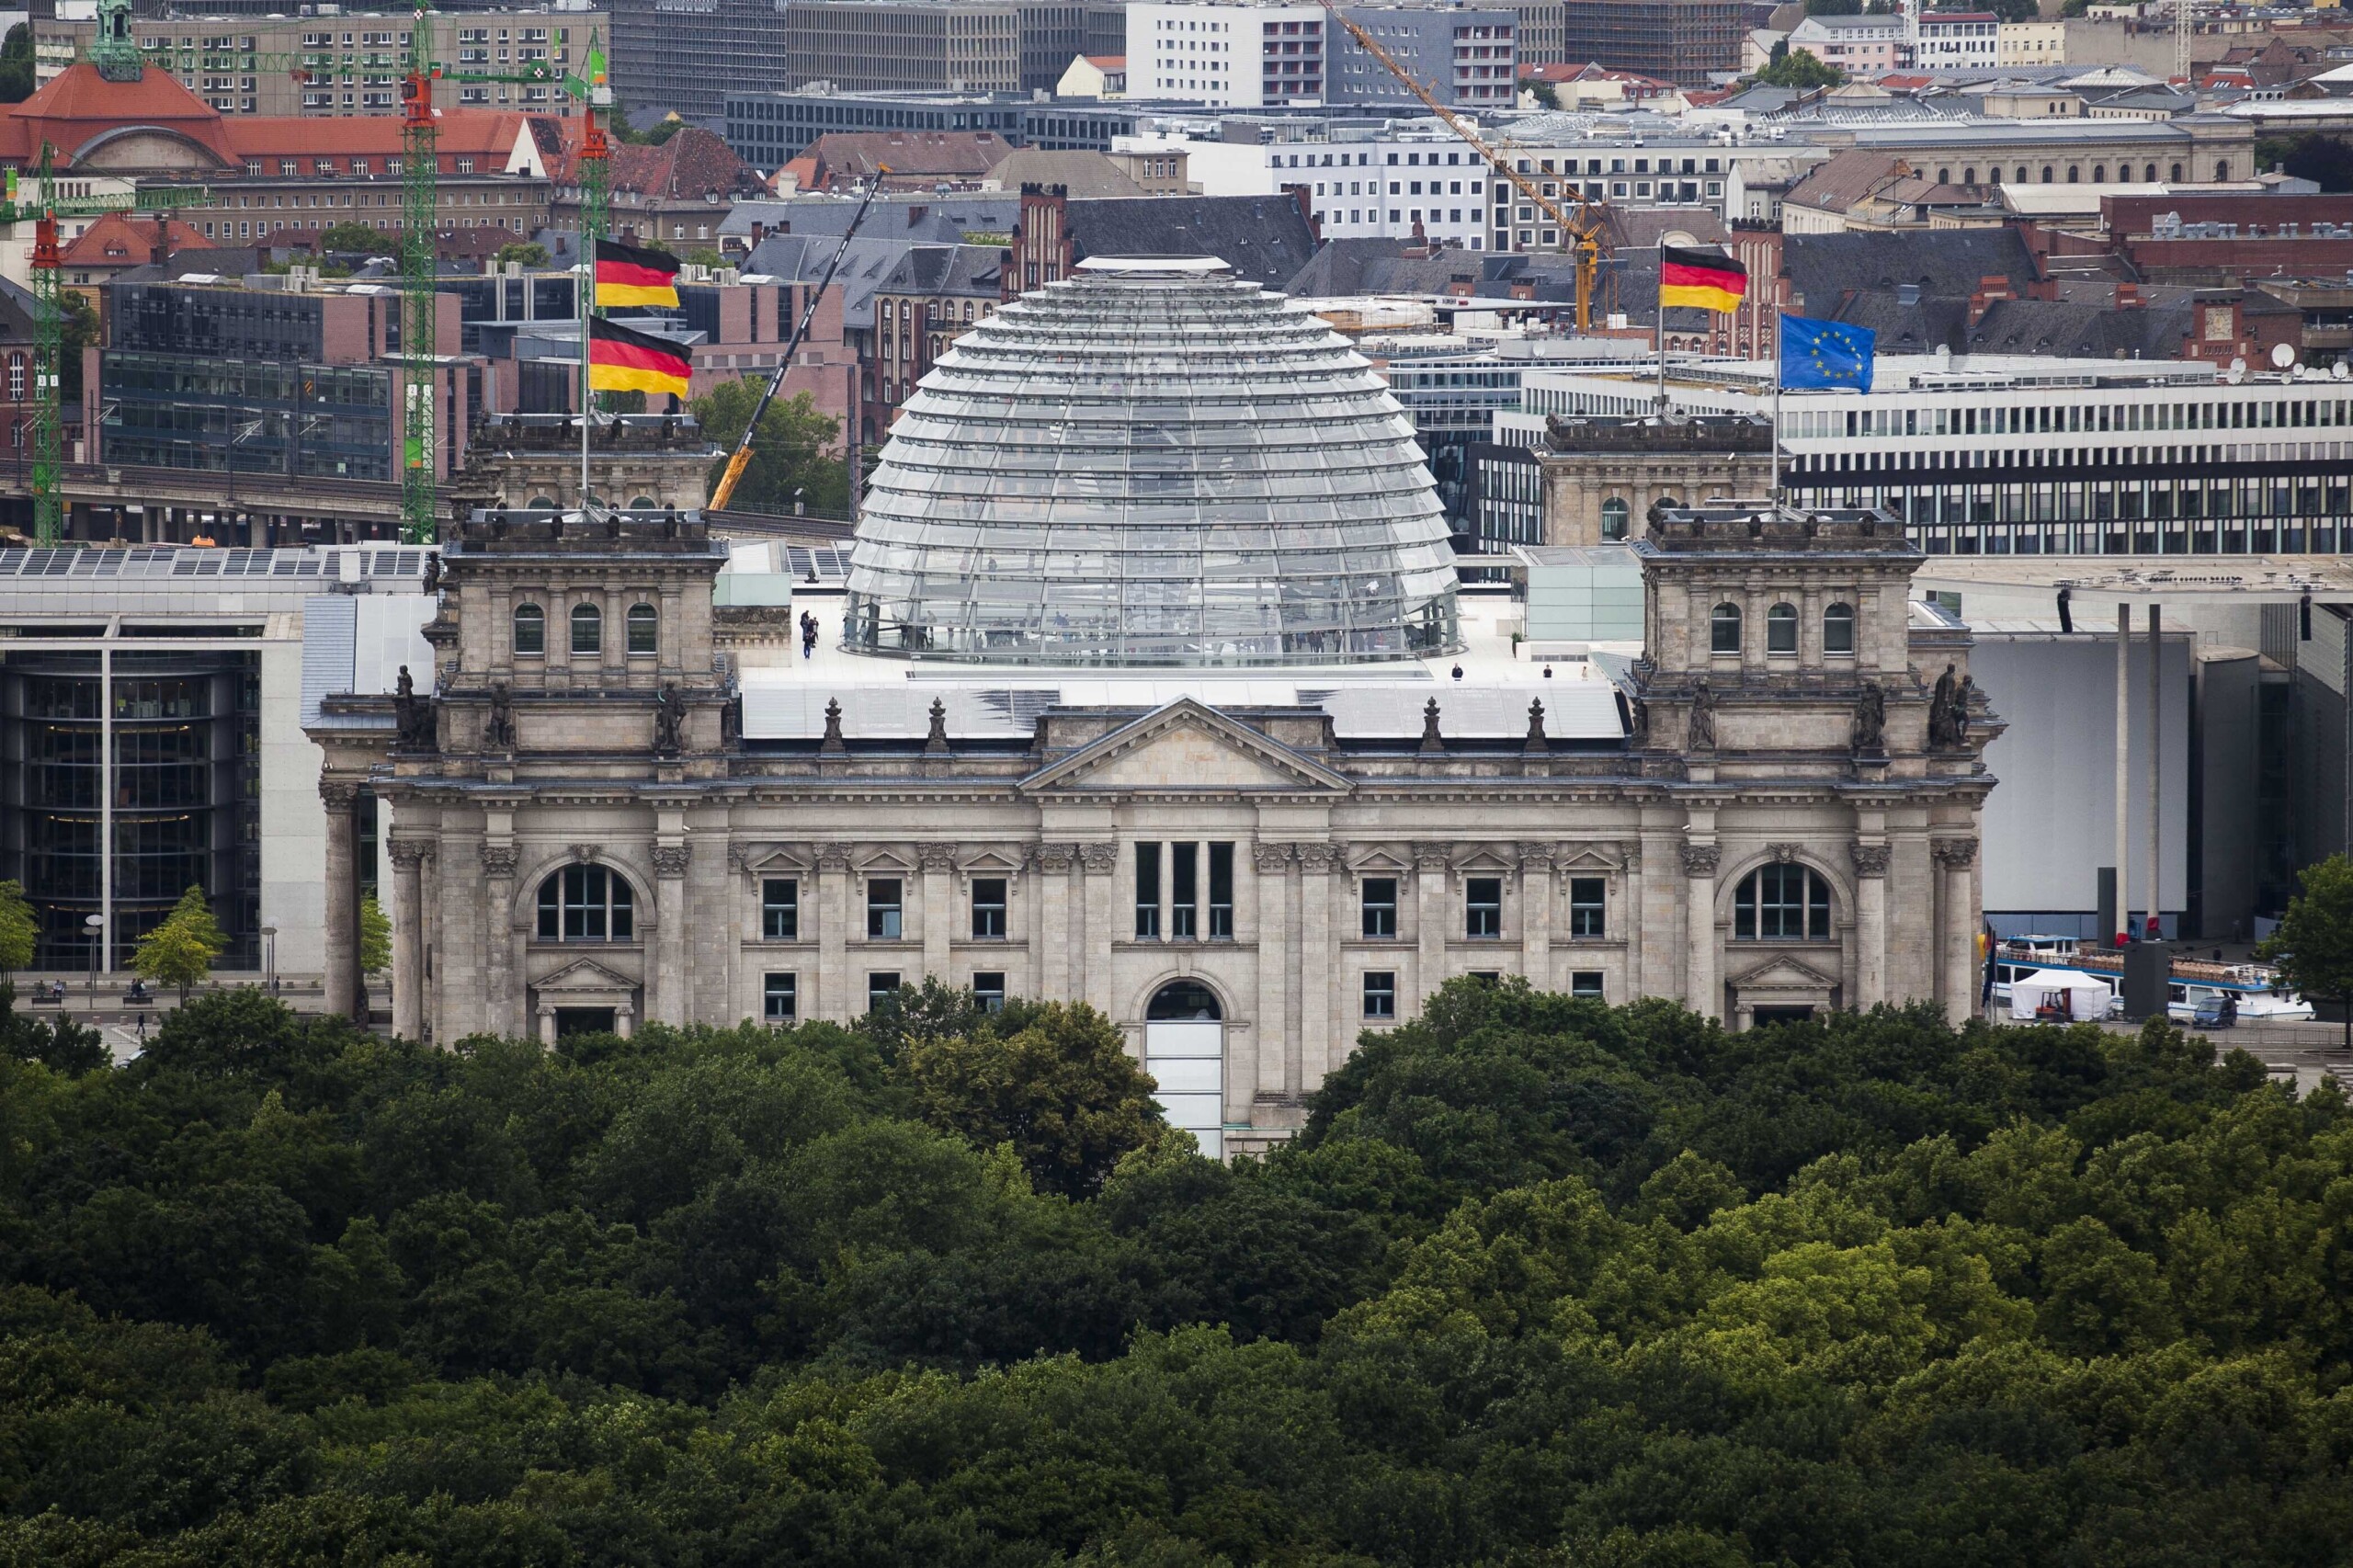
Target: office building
1227, 55
1683, 42
1464, 53
766, 130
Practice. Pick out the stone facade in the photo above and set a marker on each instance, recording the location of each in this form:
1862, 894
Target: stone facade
643, 460
1601, 477
1791, 824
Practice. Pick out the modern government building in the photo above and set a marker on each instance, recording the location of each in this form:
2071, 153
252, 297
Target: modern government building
1150, 683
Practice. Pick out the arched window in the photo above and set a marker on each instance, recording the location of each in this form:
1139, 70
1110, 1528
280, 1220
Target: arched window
530, 630
1782, 903
2021, 174
1781, 629
645, 504
1838, 629
1184, 1001
541, 503
1724, 630
2099, 174
2222, 169
587, 630
2176, 175
2074, 174
1614, 513
1944, 176
587, 904
2046, 173
643, 620
1969, 177
2150, 174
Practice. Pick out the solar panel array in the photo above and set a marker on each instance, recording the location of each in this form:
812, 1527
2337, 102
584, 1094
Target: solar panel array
168, 561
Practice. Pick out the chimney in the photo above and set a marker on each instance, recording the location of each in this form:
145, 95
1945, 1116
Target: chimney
760, 233
160, 252
2127, 297
1989, 289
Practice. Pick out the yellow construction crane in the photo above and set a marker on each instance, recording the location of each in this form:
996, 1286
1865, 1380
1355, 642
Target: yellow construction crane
1580, 225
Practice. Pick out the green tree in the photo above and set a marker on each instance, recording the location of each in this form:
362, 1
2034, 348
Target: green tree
530, 253
17, 65
1796, 68
797, 450
2325, 160
181, 950
375, 936
1061, 1089
19, 928
1833, 7
81, 330
2313, 945
1544, 93
353, 236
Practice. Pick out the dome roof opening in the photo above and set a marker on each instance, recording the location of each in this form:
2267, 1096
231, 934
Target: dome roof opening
1152, 462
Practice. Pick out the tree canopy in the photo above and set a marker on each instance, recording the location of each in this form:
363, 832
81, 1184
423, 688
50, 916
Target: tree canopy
17, 65
2313, 945
798, 448
181, 950
1540, 1283
1796, 68
19, 928
358, 237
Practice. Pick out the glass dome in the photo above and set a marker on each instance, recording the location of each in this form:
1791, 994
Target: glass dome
1152, 464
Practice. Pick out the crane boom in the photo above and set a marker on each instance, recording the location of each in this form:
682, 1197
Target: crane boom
741, 458
1583, 228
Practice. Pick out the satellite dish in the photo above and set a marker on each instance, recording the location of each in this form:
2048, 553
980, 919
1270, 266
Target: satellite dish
2282, 356
2237, 373
2337, 372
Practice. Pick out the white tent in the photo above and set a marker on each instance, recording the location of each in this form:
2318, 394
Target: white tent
2084, 997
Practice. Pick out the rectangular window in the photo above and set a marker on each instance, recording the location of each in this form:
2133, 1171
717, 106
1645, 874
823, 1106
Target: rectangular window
1147, 891
1380, 903
879, 985
781, 908
1379, 993
1585, 982
882, 909
988, 990
1184, 891
1221, 893
1482, 899
988, 907
781, 999
1587, 906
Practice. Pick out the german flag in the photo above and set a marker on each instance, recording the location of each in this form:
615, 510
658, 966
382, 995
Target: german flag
622, 360
628, 276
1701, 278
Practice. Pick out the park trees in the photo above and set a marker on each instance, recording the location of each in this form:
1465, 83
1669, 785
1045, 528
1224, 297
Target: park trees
180, 951
2313, 946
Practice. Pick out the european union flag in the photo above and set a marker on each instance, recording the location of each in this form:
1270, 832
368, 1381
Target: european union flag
1826, 354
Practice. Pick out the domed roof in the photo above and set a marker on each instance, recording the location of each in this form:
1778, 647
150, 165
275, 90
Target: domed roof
1152, 464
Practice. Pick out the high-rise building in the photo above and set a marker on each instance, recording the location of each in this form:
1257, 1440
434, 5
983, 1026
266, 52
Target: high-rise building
1676, 41
1465, 52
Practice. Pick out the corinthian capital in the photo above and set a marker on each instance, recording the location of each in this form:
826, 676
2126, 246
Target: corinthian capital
1700, 859
1316, 860
340, 794
1954, 852
408, 854
1871, 859
499, 859
936, 857
1099, 858
672, 859
1054, 859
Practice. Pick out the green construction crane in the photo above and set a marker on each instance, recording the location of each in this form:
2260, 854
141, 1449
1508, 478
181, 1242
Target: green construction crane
42, 210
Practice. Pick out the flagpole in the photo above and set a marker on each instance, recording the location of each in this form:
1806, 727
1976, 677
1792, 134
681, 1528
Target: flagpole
1777, 409
1661, 330
588, 304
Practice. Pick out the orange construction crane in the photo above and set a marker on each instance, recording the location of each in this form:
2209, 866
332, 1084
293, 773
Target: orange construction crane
1580, 223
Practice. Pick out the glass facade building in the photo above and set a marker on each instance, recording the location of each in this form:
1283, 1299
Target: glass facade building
1152, 464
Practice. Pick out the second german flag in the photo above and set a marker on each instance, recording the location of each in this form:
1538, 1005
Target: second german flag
1702, 279
628, 276
622, 360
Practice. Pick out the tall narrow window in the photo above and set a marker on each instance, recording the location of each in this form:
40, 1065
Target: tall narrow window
1380, 907
1221, 893
988, 907
781, 998
1587, 906
1724, 629
530, 630
1781, 629
1147, 891
1379, 993
882, 909
1184, 891
1838, 629
781, 908
1483, 901
643, 620
587, 630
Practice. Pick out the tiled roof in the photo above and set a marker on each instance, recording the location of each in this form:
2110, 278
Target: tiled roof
115, 240
691, 164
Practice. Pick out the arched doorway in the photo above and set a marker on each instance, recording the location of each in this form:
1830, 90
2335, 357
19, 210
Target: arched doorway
1184, 1049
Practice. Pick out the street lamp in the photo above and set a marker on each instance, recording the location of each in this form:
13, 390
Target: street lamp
94, 924
269, 957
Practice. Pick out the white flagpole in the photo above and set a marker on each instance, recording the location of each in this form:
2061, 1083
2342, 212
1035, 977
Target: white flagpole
588, 305
1777, 406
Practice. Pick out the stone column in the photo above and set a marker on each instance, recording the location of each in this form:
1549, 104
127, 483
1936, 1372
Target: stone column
1536, 895
1275, 1039
1054, 861
1703, 991
1956, 925
1871, 925
1317, 1045
340, 981
668, 978
937, 911
547, 1024
833, 998
502, 988
1429, 920
1093, 981
408, 937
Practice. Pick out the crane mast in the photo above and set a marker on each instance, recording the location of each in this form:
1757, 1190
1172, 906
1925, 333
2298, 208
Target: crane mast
1582, 230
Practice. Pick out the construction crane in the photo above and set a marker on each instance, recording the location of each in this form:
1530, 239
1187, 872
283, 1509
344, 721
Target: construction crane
1580, 225
741, 458
48, 328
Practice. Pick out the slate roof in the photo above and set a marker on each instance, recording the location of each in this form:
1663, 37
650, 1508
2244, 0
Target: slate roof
938, 220
909, 154
2080, 331
1339, 266
1633, 227
1824, 269
872, 266
1265, 239
1847, 180
1080, 172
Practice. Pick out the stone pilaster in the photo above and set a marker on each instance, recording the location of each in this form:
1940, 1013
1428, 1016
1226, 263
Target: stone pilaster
1055, 941
1536, 896
670, 975
937, 911
1100, 860
1871, 925
1430, 923
501, 987
408, 937
1315, 1046
340, 981
1274, 1036
1956, 925
833, 999
1702, 987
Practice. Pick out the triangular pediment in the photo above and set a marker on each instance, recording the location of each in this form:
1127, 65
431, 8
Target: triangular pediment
1586, 858
1186, 748
1784, 972
586, 975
